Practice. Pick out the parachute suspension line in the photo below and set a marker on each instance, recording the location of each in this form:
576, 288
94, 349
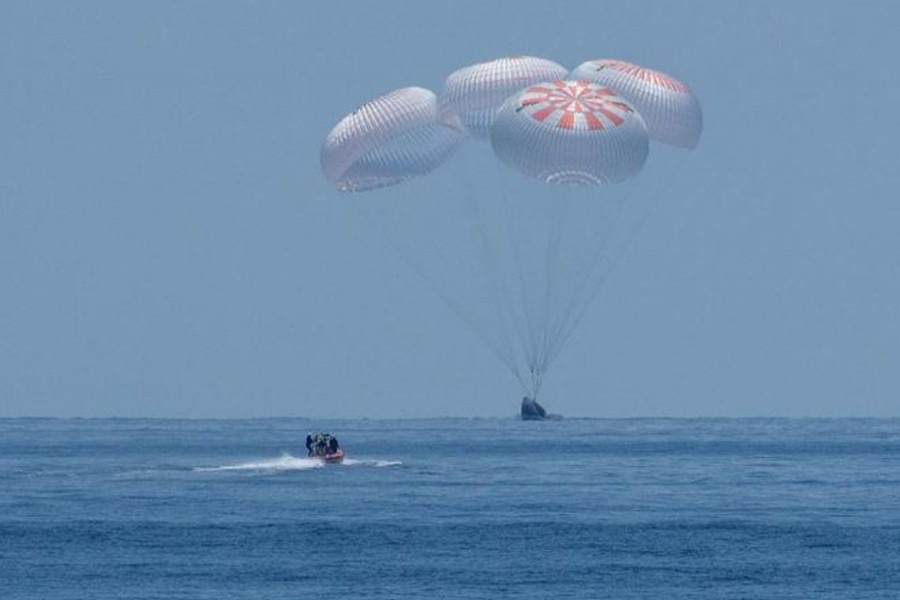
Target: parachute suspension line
537, 381
529, 345
630, 237
578, 297
492, 273
558, 226
506, 300
451, 304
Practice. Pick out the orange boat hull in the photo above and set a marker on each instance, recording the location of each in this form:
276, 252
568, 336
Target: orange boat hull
334, 458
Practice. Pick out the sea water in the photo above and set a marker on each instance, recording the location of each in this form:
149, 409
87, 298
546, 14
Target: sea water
450, 508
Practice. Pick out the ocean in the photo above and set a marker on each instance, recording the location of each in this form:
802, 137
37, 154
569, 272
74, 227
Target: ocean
451, 508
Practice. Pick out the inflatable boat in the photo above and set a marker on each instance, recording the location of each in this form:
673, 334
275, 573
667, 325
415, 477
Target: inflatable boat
333, 457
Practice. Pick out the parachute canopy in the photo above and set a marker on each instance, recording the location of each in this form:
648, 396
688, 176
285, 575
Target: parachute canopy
388, 140
475, 93
570, 132
668, 106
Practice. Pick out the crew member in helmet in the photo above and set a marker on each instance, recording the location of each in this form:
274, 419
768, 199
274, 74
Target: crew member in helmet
321, 444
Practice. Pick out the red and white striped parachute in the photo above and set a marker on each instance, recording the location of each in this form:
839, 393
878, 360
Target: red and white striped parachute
668, 106
571, 132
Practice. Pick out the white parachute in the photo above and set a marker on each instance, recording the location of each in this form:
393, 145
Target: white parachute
475, 93
387, 141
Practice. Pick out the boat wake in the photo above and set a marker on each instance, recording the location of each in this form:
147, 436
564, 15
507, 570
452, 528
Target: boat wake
350, 462
291, 463
285, 463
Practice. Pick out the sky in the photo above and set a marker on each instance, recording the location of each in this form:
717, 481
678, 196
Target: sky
169, 247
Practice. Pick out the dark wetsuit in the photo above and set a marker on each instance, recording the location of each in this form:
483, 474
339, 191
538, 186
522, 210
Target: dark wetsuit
321, 445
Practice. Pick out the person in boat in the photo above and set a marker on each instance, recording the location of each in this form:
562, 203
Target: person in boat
321, 444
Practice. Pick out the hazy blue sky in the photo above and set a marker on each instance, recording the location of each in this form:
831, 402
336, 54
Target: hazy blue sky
168, 246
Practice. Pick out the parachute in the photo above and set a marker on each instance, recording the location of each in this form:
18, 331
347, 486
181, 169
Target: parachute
519, 261
387, 141
475, 93
669, 108
571, 132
